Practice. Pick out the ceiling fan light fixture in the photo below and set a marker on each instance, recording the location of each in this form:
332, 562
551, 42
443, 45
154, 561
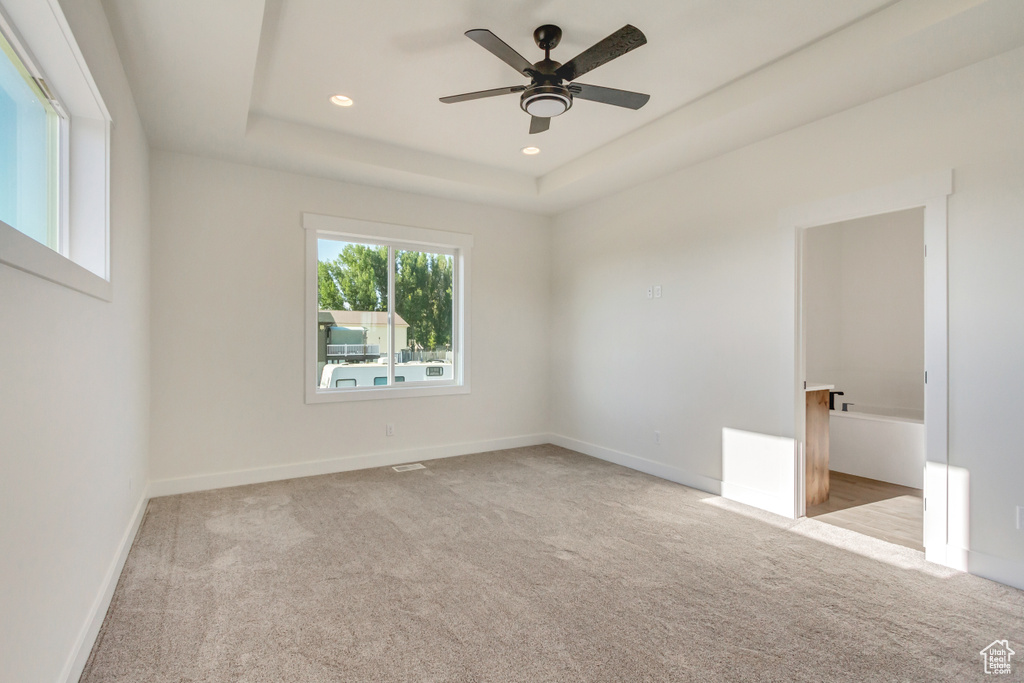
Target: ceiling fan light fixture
546, 106
546, 101
341, 100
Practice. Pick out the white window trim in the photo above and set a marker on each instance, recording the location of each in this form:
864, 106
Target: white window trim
317, 225
43, 36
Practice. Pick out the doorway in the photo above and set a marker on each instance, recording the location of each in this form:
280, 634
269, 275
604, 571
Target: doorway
863, 312
928, 193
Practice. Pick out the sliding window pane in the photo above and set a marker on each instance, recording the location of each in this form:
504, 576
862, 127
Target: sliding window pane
424, 303
352, 326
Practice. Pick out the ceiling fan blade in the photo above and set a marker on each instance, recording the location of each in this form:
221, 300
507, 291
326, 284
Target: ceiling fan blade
539, 124
620, 98
500, 49
494, 92
617, 44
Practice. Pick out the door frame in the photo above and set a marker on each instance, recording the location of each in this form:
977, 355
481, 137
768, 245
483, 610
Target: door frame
930, 192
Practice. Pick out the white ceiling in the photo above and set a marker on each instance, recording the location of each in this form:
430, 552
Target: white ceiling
249, 80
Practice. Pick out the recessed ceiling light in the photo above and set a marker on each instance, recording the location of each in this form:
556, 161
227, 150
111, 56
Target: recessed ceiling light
530, 151
341, 100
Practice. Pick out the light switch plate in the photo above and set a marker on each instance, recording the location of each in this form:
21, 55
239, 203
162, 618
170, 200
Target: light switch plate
657, 291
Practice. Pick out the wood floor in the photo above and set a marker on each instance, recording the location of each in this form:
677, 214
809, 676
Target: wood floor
874, 508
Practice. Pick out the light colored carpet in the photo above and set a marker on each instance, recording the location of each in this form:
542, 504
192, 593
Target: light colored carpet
533, 564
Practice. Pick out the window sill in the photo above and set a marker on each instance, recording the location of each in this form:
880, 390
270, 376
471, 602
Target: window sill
24, 253
374, 394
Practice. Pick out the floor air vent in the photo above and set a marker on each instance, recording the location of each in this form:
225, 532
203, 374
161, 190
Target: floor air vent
406, 468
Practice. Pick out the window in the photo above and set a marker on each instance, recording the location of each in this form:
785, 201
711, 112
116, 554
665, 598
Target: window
54, 152
31, 126
387, 310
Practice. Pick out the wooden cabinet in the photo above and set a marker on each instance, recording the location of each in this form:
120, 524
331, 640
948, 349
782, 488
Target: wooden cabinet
816, 453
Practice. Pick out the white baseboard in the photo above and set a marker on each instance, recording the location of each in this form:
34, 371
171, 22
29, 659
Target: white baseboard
76, 661
634, 462
259, 475
996, 569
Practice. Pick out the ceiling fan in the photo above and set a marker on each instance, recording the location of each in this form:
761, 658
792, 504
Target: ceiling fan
546, 96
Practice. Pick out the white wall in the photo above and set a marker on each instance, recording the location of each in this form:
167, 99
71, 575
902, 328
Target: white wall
74, 408
718, 349
228, 258
823, 305
864, 298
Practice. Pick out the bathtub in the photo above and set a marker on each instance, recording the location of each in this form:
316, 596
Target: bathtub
870, 443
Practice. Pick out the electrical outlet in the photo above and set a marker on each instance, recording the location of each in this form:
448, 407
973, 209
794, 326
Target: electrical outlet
657, 291
650, 292
657, 437
389, 429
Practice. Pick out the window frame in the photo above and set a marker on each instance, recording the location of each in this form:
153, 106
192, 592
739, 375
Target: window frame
41, 37
396, 237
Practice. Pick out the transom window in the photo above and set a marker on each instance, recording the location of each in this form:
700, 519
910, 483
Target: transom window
387, 311
30, 143
54, 152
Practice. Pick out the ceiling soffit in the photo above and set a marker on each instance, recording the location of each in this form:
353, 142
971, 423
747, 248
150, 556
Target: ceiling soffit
247, 94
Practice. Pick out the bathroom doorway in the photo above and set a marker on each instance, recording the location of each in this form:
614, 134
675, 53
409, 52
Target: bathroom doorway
863, 313
924, 198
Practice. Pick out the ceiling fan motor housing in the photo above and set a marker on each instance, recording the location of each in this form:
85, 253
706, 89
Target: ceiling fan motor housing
546, 101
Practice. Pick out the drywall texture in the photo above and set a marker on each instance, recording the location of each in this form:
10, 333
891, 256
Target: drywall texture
717, 350
74, 406
228, 336
864, 310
